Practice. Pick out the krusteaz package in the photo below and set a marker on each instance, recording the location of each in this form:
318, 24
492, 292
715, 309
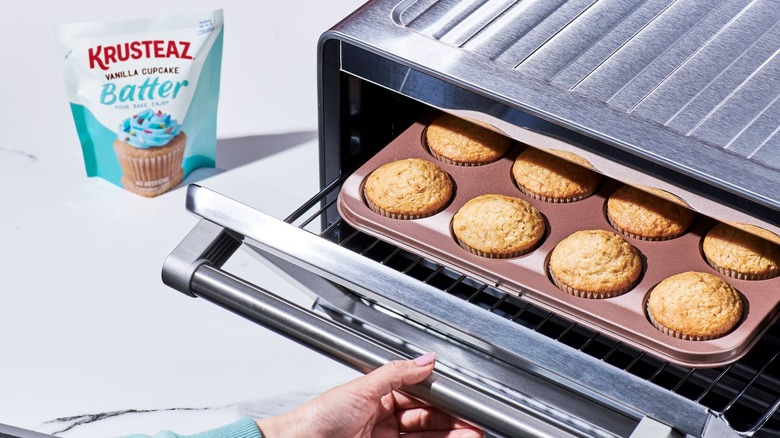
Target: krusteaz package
144, 96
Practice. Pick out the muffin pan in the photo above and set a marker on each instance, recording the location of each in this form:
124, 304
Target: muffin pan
623, 317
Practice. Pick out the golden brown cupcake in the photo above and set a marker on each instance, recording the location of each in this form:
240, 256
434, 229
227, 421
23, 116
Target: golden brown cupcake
694, 306
548, 178
498, 226
739, 254
410, 188
595, 264
456, 141
643, 216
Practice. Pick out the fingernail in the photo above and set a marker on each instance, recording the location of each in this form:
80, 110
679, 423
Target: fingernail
425, 359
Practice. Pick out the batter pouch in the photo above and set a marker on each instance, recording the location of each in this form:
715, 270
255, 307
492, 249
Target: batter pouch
144, 96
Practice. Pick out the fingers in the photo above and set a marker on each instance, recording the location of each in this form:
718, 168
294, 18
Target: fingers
427, 418
396, 374
412, 416
403, 401
425, 359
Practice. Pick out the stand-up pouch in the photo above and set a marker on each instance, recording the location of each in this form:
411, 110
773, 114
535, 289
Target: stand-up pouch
144, 96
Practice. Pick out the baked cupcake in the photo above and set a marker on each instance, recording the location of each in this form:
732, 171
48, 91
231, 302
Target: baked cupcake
643, 216
595, 264
739, 254
410, 188
498, 226
694, 306
549, 178
456, 141
150, 149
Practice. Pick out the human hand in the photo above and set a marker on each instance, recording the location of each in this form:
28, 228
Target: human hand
371, 406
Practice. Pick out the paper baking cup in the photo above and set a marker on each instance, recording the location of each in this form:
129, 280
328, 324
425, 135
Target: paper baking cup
741, 275
623, 231
586, 294
444, 159
403, 216
551, 199
151, 175
493, 255
675, 334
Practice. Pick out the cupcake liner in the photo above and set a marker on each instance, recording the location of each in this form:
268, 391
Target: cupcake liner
444, 159
554, 200
586, 294
489, 255
403, 216
673, 333
154, 174
623, 231
153, 190
741, 275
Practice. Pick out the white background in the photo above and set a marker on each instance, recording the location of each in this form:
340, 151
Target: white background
86, 325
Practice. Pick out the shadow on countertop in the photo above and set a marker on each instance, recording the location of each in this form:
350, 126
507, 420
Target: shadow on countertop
236, 152
239, 151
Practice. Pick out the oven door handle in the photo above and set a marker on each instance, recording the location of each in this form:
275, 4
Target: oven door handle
194, 273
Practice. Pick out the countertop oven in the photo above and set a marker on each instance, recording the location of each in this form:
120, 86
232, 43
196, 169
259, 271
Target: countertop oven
676, 97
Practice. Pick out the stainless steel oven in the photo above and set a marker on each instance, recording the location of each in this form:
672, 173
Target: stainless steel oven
679, 98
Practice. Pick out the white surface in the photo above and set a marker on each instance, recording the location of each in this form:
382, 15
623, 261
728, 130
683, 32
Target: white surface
86, 325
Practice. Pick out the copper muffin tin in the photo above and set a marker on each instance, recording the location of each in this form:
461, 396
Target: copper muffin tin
623, 317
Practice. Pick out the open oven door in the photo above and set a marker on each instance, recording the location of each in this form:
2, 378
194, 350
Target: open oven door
498, 375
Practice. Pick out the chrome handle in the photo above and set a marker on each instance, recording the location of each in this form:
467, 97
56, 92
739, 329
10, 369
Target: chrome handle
356, 351
193, 268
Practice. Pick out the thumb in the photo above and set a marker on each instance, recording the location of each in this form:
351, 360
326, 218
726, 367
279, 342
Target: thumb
396, 374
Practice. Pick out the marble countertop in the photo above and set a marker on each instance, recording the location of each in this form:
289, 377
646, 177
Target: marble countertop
91, 342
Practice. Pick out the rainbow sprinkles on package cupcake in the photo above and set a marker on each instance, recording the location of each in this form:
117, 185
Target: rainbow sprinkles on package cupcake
144, 96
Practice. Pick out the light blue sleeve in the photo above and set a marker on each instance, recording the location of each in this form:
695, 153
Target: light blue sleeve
243, 428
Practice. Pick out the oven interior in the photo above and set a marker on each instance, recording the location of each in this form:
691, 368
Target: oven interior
369, 116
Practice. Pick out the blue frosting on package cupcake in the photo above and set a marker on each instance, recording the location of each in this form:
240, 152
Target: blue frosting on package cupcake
144, 94
148, 129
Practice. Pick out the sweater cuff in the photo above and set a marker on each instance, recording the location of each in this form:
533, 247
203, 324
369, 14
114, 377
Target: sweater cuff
243, 428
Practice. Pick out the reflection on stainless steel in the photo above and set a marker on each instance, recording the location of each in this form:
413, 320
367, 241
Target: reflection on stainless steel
677, 96
495, 414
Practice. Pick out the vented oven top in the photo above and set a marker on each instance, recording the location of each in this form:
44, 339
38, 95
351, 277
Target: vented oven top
691, 87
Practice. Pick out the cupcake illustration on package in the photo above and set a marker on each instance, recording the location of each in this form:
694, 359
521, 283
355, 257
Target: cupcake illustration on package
144, 95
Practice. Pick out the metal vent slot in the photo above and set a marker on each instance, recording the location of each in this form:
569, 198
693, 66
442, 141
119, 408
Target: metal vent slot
707, 69
746, 393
